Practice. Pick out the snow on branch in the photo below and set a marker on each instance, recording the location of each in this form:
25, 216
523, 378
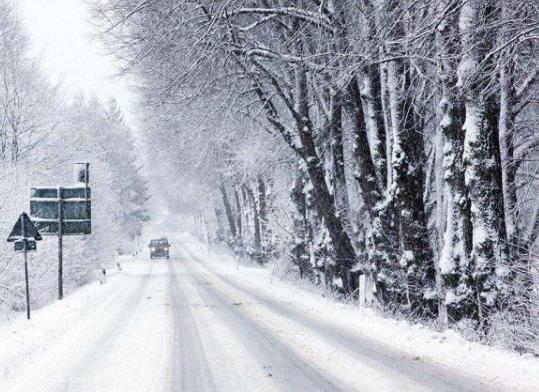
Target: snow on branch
293, 12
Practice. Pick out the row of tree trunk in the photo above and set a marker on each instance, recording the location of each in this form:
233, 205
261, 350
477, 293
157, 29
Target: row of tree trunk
403, 119
247, 218
312, 110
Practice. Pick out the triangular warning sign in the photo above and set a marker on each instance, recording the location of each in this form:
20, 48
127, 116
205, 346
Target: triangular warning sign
24, 229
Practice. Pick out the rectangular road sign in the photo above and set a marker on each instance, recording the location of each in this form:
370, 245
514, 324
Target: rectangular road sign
44, 193
46, 227
76, 209
30, 245
48, 210
44, 209
75, 192
78, 192
69, 227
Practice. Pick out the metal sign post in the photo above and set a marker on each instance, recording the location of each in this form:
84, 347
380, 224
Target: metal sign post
24, 233
60, 243
26, 282
25, 251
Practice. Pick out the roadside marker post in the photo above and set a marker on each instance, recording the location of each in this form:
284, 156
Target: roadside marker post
362, 297
24, 235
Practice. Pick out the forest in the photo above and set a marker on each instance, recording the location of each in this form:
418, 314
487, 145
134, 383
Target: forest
338, 138
43, 132
386, 142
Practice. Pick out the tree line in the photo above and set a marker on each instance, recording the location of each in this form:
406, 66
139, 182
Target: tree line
42, 133
402, 133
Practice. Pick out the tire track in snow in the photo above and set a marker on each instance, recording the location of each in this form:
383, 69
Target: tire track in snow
288, 370
435, 377
190, 371
79, 378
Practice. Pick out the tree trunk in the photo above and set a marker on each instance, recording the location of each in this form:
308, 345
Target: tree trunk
507, 133
263, 210
257, 237
370, 94
238, 214
365, 172
457, 298
407, 183
481, 157
300, 247
382, 236
228, 211
324, 202
340, 189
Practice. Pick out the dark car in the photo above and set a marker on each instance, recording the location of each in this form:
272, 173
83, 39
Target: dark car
159, 248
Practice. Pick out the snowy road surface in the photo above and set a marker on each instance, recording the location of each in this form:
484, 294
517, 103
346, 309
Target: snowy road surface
198, 323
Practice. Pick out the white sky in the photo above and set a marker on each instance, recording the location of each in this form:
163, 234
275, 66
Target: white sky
61, 35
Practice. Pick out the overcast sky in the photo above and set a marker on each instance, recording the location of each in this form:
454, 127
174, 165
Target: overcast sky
61, 34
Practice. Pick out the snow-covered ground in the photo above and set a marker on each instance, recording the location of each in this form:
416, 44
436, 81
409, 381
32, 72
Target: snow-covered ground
203, 323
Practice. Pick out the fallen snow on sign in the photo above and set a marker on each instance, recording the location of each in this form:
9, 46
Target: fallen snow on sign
447, 351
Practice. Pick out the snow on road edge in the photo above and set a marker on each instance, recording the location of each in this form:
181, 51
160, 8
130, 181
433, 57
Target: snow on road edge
23, 340
446, 349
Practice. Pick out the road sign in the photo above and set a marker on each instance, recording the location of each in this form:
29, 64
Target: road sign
25, 235
71, 227
45, 210
25, 245
63, 211
24, 229
76, 209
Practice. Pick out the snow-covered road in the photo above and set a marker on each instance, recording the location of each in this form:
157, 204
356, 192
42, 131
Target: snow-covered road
200, 323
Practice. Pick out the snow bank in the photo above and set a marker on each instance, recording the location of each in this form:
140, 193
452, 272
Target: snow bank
23, 341
447, 350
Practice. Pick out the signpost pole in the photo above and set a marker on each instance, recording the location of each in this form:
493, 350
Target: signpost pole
86, 188
26, 280
24, 233
25, 251
87, 177
60, 244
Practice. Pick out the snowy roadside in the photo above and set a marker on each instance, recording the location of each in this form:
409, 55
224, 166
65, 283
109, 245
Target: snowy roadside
22, 340
8, 317
447, 351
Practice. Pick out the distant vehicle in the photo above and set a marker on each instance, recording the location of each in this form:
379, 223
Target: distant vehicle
159, 248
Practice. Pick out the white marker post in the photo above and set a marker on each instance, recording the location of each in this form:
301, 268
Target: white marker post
362, 291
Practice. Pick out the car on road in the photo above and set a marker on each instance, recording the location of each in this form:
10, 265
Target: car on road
159, 248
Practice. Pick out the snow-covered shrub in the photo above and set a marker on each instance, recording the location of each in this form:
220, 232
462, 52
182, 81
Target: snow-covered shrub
516, 326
